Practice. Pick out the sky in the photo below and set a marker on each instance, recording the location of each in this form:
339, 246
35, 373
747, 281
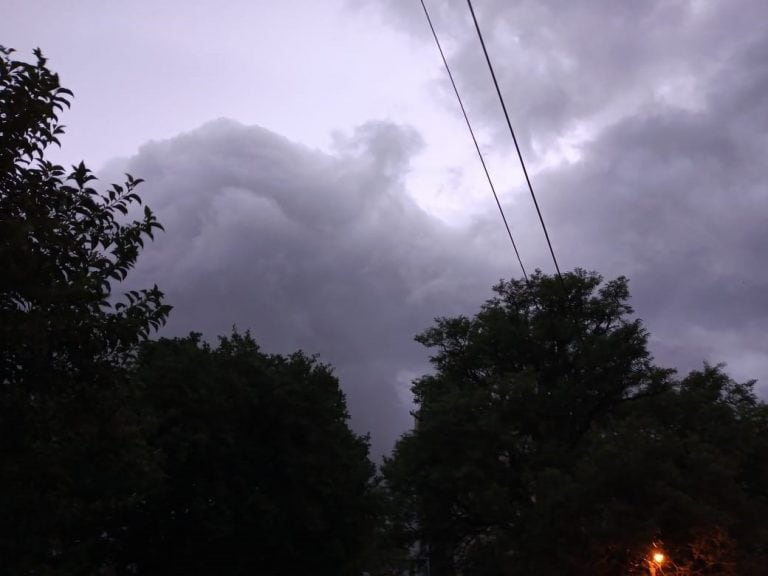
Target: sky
318, 186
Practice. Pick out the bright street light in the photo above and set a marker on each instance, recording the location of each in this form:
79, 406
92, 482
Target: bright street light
655, 561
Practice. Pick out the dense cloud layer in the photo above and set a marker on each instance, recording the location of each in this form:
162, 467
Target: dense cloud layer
663, 107
567, 69
309, 250
677, 200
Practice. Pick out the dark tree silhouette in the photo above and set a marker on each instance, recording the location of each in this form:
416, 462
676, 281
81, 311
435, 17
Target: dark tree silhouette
262, 472
72, 457
547, 442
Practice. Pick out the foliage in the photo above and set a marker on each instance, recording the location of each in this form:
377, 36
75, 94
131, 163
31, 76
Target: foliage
63, 242
263, 474
694, 461
73, 457
547, 442
122, 456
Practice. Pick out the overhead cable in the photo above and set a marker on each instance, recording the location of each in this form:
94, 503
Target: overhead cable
514, 138
474, 139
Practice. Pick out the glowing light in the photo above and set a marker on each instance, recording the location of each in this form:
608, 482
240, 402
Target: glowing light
658, 557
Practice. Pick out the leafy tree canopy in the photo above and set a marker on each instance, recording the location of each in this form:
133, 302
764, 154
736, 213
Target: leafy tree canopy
263, 474
548, 442
124, 456
72, 455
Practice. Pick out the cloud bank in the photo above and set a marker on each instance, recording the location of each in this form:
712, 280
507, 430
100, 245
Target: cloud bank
324, 252
646, 124
663, 106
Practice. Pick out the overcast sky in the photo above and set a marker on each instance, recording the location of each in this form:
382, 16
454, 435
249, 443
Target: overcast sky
318, 186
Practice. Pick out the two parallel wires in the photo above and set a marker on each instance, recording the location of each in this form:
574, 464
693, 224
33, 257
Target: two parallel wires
474, 139
477, 146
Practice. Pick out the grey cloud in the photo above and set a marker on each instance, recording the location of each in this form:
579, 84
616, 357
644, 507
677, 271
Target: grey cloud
326, 252
309, 250
671, 187
678, 201
563, 64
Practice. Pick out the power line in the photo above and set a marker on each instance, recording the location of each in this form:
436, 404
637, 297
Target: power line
474, 140
514, 138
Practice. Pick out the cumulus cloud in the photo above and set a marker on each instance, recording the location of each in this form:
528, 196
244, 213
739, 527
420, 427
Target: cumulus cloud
677, 200
324, 252
663, 104
328, 252
572, 68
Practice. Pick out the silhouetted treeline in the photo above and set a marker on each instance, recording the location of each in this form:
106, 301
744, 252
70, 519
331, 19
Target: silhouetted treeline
547, 441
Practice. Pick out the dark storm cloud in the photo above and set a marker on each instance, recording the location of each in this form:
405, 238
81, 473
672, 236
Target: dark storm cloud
309, 250
678, 201
326, 252
563, 63
671, 187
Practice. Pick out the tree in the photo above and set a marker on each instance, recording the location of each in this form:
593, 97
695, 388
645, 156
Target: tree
262, 473
73, 459
694, 462
122, 456
547, 441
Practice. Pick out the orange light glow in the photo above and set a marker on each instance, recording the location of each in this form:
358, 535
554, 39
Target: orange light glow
658, 557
